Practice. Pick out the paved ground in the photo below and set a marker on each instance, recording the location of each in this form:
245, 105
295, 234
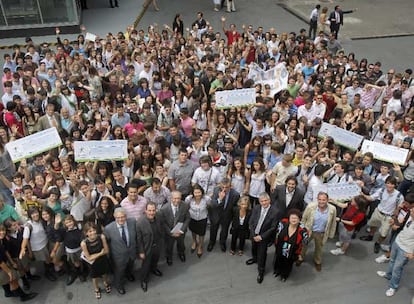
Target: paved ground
218, 277
373, 18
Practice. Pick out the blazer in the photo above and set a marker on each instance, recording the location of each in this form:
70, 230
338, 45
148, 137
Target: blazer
167, 217
217, 211
235, 225
45, 124
309, 218
332, 17
268, 229
278, 198
145, 235
119, 251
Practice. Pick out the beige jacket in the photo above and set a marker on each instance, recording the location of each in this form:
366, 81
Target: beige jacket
309, 217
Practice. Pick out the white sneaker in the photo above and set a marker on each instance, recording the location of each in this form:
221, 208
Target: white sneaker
382, 274
337, 251
338, 244
382, 259
390, 292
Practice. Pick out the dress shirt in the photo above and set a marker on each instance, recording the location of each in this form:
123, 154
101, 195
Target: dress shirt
198, 212
320, 221
263, 213
289, 196
126, 231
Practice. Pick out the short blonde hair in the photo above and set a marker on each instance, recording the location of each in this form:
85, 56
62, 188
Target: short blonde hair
244, 199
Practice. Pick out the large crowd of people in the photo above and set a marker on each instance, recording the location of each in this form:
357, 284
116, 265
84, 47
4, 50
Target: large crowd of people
252, 172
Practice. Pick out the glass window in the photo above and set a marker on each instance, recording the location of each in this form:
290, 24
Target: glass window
20, 12
58, 11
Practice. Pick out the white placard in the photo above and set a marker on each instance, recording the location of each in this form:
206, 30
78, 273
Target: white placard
387, 153
100, 150
90, 37
235, 98
34, 144
341, 136
339, 192
276, 78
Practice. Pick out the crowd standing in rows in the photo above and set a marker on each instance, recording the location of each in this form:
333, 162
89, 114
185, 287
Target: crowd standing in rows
253, 171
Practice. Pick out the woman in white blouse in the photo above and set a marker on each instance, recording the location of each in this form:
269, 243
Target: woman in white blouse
198, 203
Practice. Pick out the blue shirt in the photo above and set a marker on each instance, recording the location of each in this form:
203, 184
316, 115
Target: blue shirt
126, 231
320, 221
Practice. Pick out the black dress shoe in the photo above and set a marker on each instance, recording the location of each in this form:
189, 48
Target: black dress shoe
28, 296
210, 247
276, 274
169, 261
70, 279
260, 278
283, 279
33, 277
367, 238
121, 290
223, 247
144, 286
251, 261
182, 257
157, 272
130, 277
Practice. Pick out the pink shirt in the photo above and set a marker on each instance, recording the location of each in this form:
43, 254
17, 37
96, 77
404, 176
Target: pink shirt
187, 125
134, 210
134, 128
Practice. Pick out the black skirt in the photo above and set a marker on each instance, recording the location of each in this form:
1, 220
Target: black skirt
100, 267
198, 227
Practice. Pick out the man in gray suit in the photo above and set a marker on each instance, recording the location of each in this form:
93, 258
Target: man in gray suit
122, 236
149, 239
171, 214
50, 119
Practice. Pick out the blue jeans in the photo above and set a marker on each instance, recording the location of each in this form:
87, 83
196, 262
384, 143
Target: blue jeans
7, 196
396, 265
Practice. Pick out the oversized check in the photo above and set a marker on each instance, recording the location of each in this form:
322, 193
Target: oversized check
235, 98
341, 136
339, 192
34, 144
100, 150
387, 153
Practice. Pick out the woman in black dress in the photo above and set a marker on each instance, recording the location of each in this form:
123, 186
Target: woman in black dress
290, 236
240, 226
95, 252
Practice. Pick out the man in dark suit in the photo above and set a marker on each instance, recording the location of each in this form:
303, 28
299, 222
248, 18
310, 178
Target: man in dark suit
223, 201
149, 239
287, 197
262, 227
337, 19
170, 215
121, 236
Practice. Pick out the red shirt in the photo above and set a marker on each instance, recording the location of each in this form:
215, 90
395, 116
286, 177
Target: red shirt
11, 120
354, 215
232, 37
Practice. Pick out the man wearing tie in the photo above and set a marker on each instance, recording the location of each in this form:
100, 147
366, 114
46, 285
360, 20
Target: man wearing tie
172, 214
262, 227
149, 239
223, 201
287, 197
337, 19
51, 119
121, 236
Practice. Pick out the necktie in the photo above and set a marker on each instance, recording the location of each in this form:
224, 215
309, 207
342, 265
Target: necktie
261, 220
53, 120
175, 209
339, 179
226, 199
123, 235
